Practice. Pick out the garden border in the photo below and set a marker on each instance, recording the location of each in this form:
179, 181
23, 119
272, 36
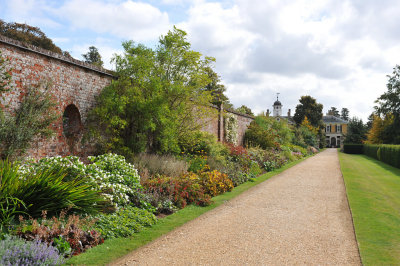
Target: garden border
116, 249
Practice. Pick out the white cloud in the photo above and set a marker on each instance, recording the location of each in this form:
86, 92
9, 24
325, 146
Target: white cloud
130, 20
336, 51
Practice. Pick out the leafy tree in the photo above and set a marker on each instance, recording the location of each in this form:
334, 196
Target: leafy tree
216, 88
309, 108
157, 100
266, 132
306, 134
93, 57
389, 107
244, 110
28, 34
370, 121
344, 114
334, 111
356, 131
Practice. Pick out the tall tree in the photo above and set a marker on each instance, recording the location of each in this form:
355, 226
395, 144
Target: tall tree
344, 114
370, 121
216, 88
157, 100
389, 105
334, 111
356, 131
309, 108
93, 57
28, 34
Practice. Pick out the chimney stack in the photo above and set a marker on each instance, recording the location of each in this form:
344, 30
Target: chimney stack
288, 113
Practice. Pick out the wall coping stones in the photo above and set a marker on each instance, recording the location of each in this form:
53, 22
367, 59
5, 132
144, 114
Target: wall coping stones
59, 57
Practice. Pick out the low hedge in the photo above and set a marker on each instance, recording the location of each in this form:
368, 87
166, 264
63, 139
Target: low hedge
352, 148
386, 153
371, 150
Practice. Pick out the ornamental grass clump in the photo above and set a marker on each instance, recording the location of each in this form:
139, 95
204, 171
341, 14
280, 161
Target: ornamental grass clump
47, 190
116, 180
16, 251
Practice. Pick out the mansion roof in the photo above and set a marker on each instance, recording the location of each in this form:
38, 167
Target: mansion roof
333, 119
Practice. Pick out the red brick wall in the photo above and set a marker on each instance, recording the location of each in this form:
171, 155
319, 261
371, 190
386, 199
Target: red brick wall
71, 82
215, 125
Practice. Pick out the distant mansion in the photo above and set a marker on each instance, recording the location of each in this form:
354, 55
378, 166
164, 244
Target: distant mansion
335, 127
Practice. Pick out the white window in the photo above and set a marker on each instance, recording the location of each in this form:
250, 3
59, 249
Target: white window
328, 128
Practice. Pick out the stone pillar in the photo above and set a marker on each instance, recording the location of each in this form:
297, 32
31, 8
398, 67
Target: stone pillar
221, 123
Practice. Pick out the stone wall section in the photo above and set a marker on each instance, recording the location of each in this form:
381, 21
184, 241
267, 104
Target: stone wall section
71, 82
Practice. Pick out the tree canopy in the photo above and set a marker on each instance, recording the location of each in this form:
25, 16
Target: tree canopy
28, 34
245, 110
356, 131
334, 111
216, 89
158, 100
344, 114
388, 110
309, 108
93, 57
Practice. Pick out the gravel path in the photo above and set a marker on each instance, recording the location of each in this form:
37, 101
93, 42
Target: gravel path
300, 216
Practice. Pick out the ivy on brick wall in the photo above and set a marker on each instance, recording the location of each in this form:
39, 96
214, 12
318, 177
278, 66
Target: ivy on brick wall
231, 128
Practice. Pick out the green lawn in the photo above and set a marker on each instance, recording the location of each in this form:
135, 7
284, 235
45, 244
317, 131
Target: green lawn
373, 190
115, 248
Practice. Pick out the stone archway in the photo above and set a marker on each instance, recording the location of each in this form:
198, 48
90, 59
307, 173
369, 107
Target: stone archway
72, 126
333, 142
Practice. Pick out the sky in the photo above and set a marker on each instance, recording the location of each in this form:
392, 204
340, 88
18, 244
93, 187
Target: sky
339, 52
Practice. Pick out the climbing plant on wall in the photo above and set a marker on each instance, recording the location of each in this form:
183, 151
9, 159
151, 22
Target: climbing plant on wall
231, 128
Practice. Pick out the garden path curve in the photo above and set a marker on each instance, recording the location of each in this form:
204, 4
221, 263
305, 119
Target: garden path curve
300, 216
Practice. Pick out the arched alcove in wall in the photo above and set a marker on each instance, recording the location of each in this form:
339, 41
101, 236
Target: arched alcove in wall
72, 125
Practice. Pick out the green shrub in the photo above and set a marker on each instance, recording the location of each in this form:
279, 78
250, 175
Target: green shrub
389, 154
71, 235
71, 165
352, 148
260, 135
215, 183
254, 170
197, 163
371, 150
180, 190
46, 190
31, 119
117, 180
124, 223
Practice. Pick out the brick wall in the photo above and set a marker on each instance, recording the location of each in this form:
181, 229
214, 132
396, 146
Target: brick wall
215, 125
71, 82
74, 85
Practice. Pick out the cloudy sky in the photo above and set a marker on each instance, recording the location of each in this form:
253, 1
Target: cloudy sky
339, 52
